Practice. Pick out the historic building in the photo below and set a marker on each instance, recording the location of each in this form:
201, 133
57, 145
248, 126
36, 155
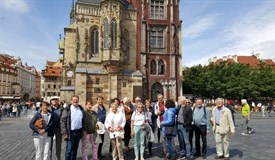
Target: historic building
159, 47
26, 78
9, 88
51, 80
117, 48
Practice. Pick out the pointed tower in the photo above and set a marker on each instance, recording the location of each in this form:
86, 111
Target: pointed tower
72, 13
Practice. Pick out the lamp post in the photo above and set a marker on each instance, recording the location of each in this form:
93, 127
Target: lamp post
168, 85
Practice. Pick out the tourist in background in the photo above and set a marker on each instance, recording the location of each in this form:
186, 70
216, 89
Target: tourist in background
89, 131
115, 122
246, 117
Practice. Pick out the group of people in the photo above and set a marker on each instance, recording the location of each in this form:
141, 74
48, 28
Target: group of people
125, 121
13, 109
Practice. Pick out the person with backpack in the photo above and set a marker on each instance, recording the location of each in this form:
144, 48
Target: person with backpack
184, 125
201, 123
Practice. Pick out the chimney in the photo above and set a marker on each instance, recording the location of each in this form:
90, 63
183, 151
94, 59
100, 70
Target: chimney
224, 58
235, 58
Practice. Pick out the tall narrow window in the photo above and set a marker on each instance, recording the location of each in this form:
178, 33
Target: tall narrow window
161, 67
125, 46
153, 67
105, 33
114, 33
94, 41
156, 39
157, 9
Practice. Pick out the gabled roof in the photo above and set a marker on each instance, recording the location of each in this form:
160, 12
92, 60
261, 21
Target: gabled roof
250, 60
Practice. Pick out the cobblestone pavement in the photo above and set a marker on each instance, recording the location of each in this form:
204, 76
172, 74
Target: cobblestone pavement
16, 142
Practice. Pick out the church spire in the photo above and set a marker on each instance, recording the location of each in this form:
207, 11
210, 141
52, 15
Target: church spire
72, 13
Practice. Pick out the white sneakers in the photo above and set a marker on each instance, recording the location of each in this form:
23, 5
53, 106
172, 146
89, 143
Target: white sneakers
141, 158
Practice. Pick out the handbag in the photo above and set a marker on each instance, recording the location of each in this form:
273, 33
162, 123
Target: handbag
39, 123
170, 131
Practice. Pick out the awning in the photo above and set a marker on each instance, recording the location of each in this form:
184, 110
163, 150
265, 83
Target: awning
7, 97
17, 97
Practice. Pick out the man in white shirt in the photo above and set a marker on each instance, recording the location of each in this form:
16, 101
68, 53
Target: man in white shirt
71, 127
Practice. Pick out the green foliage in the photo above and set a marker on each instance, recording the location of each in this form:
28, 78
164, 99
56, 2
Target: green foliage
231, 80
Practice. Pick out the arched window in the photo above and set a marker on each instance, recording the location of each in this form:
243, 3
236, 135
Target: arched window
155, 90
94, 41
153, 67
161, 67
69, 82
105, 33
114, 33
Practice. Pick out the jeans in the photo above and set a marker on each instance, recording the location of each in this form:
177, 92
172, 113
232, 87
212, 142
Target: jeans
183, 136
170, 147
72, 145
139, 141
200, 132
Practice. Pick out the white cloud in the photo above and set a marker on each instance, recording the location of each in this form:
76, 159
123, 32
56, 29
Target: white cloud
15, 5
253, 31
200, 26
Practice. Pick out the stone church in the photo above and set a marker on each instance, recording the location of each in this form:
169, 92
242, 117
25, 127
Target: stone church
119, 48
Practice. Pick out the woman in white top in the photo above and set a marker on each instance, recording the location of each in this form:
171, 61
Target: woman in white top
115, 122
137, 128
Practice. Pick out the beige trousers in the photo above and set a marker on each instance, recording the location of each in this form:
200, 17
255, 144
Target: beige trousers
117, 149
222, 143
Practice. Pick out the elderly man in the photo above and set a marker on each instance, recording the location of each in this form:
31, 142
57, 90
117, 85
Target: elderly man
55, 107
184, 120
222, 124
201, 124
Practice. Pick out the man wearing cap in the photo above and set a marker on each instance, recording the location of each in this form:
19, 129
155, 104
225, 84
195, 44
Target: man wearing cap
56, 108
222, 124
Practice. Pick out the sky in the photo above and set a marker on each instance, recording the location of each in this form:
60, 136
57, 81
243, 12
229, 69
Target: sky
30, 29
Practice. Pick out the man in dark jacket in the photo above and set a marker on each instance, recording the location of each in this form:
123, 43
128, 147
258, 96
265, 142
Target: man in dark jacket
56, 108
71, 127
184, 120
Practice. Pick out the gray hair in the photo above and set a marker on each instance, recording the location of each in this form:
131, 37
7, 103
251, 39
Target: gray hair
220, 99
126, 99
182, 98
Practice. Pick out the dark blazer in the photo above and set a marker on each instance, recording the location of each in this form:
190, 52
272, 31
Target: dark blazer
188, 117
65, 121
47, 128
89, 122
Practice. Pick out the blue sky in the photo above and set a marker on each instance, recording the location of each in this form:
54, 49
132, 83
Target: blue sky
30, 29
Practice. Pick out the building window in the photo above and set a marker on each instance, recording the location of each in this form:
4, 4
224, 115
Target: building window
94, 41
49, 86
156, 39
54, 86
161, 67
125, 46
124, 84
114, 33
153, 67
69, 82
157, 9
105, 33
97, 81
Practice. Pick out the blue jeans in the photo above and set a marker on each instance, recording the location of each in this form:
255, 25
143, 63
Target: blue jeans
72, 145
170, 147
183, 135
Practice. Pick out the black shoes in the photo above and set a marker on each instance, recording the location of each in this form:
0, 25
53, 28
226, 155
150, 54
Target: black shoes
219, 157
